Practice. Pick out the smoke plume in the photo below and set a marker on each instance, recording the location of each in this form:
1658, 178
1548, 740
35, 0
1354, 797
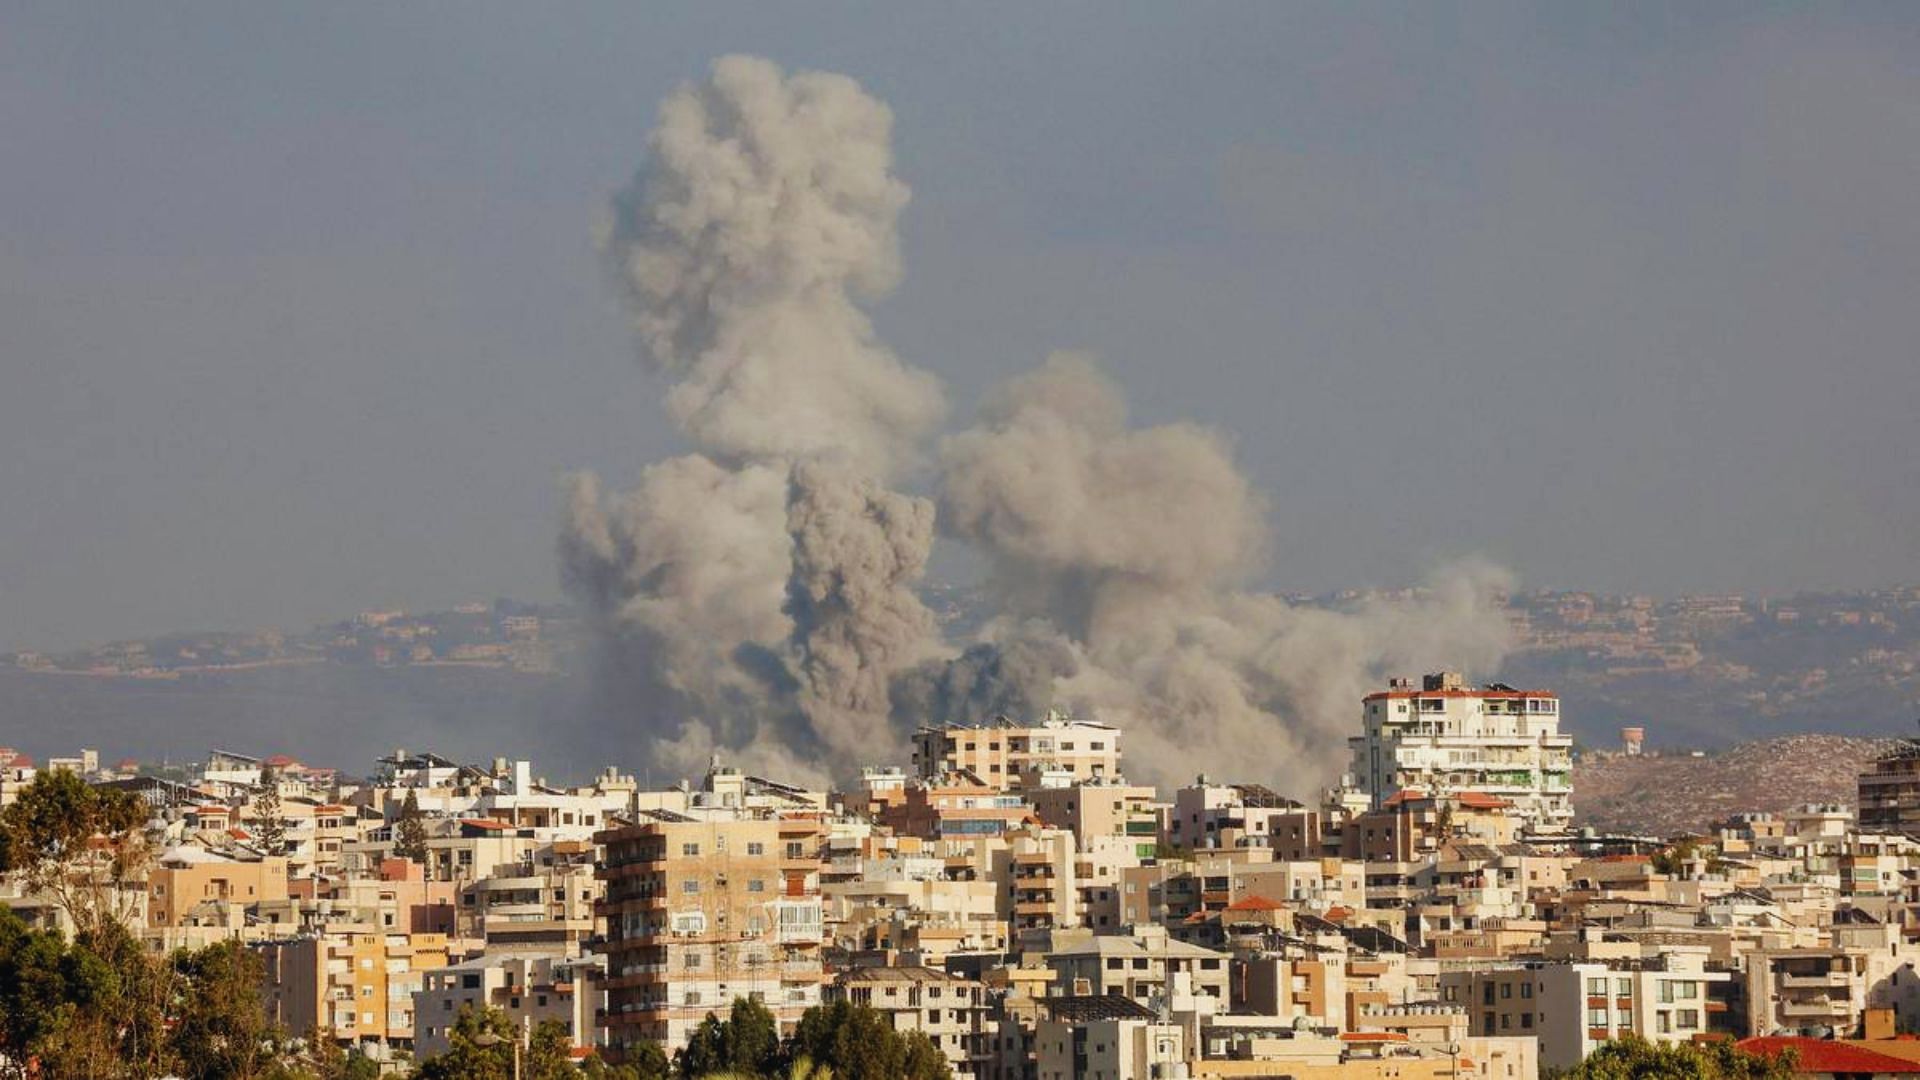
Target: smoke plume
757, 598
754, 599
1127, 545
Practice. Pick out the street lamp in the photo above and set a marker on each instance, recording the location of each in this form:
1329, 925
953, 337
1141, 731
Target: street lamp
489, 1040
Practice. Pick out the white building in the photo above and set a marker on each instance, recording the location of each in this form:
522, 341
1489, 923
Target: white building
1448, 738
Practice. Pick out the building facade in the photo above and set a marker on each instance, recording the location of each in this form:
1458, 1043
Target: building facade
700, 912
1010, 756
1447, 738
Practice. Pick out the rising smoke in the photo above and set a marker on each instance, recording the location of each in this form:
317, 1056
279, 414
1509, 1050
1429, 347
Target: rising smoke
758, 597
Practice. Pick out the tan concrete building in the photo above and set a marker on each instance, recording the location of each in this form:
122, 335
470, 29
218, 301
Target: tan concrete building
189, 880
1013, 757
951, 1011
1093, 811
531, 988
355, 980
700, 912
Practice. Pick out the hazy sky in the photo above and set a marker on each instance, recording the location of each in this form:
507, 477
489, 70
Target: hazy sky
299, 311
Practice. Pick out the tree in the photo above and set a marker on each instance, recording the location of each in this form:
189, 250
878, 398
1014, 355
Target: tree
645, 1061
479, 1047
550, 1053
859, 1043
85, 847
746, 1043
1634, 1058
410, 831
220, 1031
83, 1009
270, 825
331, 1061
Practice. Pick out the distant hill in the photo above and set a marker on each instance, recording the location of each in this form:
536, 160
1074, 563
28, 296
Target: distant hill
329, 714
1668, 794
503, 677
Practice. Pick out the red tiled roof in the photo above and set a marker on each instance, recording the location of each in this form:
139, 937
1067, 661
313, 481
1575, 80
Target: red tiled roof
1478, 800
1826, 1056
1255, 903
281, 761
1338, 914
485, 823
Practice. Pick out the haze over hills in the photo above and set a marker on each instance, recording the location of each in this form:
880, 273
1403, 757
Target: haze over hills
506, 678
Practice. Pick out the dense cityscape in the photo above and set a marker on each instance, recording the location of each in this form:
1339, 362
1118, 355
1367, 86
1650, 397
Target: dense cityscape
1006, 904
1375, 542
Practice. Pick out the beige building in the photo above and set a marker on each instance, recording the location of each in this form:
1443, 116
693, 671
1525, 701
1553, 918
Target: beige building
1828, 989
700, 912
354, 980
1573, 1008
1097, 811
1142, 966
951, 1011
193, 883
530, 988
1058, 750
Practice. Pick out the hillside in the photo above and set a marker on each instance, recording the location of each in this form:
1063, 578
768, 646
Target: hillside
1664, 795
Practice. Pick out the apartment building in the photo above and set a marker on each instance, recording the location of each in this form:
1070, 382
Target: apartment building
1209, 815
1445, 737
700, 911
191, 882
1572, 1008
951, 1011
1142, 965
1013, 757
530, 988
1890, 791
1827, 989
545, 903
356, 980
1099, 809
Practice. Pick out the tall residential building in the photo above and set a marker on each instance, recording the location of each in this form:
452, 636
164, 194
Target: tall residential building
1890, 791
703, 910
1446, 738
1055, 752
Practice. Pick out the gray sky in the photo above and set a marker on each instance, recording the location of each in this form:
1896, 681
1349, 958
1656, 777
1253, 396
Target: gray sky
299, 312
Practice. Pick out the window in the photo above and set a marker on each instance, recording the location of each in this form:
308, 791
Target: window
1663, 1022
796, 850
1687, 1019
689, 849
1526, 990
756, 885
1623, 987
1687, 990
755, 847
1506, 991
1596, 1018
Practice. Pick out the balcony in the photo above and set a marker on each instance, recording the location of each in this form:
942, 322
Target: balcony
1817, 1007
1830, 980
